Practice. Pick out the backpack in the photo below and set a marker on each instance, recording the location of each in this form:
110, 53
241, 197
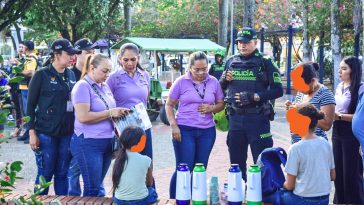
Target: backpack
270, 161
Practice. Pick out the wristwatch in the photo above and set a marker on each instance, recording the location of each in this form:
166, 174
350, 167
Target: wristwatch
341, 117
256, 97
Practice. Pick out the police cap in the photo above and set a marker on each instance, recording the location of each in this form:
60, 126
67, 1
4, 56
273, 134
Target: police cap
84, 44
246, 35
63, 45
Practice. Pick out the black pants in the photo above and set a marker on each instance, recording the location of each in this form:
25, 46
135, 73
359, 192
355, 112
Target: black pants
244, 130
15, 98
348, 165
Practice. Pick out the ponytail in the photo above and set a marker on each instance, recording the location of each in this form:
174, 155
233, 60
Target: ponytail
120, 160
86, 67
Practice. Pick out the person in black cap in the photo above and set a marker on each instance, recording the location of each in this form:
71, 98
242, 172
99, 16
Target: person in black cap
51, 115
85, 46
251, 80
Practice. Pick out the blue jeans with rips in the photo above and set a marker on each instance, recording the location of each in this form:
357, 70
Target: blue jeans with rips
53, 159
195, 147
94, 158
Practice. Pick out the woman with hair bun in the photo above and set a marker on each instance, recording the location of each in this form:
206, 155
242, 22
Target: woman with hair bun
310, 164
318, 95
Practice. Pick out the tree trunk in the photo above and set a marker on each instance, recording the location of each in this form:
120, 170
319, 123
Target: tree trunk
306, 44
18, 30
127, 17
335, 39
249, 10
223, 21
357, 23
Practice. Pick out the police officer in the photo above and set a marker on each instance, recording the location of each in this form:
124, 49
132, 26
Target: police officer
85, 46
51, 115
217, 68
250, 80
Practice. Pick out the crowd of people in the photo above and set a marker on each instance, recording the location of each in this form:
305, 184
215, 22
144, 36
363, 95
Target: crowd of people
71, 107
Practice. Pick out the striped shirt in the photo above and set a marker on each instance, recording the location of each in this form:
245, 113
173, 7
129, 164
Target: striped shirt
323, 97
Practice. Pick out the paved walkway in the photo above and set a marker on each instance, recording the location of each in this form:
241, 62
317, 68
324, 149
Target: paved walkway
164, 161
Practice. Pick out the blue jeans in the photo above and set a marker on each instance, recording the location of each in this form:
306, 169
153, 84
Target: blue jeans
150, 199
24, 97
94, 158
53, 159
148, 150
74, 172
195, 147
288, 198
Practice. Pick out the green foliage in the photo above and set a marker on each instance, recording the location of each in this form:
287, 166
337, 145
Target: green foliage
8, 176
172, 18
74, 19
11, 11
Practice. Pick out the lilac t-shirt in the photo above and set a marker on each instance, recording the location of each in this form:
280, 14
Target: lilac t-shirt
82, 92
184, 91
343, 98
129, 91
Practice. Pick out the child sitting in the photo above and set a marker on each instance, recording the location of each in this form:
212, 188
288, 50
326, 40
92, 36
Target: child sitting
132, 172
310, 164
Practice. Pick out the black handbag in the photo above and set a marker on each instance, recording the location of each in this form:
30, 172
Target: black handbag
115, 141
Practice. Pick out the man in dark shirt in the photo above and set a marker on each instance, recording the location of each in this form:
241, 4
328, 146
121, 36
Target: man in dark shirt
85, 45
250, 80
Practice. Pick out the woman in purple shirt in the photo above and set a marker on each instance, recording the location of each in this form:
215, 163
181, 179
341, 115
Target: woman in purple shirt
130, 85
94, 107
193, 129
349, 168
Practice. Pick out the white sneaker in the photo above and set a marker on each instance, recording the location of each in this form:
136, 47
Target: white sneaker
11, 118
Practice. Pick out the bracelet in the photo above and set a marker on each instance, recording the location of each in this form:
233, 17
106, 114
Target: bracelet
110, 113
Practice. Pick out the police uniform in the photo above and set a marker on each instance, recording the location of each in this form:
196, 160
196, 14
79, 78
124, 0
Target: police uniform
217, 69
250, 123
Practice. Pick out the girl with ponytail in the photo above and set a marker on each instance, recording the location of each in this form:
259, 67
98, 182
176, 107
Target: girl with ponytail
310, 166
132, 172
94, 109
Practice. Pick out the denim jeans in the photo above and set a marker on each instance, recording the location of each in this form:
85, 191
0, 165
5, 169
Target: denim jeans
74, 172
148, 150
94, 158
150, 199
288, 198
24, 97
53, 159
195, 147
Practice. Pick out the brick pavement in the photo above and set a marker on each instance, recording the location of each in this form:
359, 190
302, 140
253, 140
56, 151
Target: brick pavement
164, 161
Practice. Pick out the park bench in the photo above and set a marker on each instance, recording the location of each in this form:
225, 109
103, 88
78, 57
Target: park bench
76, 200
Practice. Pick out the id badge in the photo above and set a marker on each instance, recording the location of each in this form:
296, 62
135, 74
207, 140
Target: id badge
69, 106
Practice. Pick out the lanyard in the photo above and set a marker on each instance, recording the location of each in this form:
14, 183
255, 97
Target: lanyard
202, 95
99, 94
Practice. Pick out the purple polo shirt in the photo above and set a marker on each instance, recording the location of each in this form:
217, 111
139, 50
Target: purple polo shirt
185, 92
343, 98
129, 91
82, 92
